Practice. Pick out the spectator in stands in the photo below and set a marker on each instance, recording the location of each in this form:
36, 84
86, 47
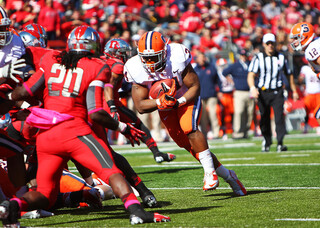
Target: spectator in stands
92, 8
49, 18
149, 18
271, 9
23, 16
13, 5
256, 37
292, 14
242, 102
257, 14
209, 82
208, 43
191, 24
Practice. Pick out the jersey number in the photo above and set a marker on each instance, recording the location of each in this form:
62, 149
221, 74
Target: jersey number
65, 76
313, 52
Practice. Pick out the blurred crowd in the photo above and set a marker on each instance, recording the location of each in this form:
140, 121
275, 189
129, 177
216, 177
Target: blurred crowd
217, 28
208, 25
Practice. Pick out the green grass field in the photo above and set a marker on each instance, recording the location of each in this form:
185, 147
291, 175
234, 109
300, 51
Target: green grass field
283, 188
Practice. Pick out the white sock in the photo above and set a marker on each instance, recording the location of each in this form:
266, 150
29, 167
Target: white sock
206, 161
222, 172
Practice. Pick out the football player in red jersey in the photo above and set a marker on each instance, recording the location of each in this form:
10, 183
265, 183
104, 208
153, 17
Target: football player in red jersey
35, 49
117, 52
73, 82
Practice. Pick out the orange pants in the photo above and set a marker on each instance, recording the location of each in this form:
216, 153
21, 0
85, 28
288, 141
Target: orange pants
181, 121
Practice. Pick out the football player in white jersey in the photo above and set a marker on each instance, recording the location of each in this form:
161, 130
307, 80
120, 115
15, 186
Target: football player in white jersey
304, 39
180, 107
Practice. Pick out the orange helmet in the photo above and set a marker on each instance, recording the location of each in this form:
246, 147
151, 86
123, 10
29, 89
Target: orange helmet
152, 50
302, 34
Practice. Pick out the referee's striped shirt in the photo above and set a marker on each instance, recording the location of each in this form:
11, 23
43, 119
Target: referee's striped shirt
269, 69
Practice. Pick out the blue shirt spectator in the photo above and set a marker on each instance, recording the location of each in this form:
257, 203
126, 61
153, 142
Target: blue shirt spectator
209, 79
239, 72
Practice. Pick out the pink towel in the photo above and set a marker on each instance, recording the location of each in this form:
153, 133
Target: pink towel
45, 118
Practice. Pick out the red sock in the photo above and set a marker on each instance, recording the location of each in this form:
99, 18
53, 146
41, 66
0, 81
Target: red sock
129, 199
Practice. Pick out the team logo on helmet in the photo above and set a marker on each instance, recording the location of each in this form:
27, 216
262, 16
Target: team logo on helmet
152, 50
302, 34
117, 48
84, 39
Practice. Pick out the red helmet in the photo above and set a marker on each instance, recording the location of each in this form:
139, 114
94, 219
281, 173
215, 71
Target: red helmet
31, 38
84, 39
117, 48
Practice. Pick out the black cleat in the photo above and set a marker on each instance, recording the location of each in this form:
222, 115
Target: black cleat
281, 148
140, 217
150, 201
9, 213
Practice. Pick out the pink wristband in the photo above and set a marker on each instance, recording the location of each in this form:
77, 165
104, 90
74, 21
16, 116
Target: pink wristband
108, 85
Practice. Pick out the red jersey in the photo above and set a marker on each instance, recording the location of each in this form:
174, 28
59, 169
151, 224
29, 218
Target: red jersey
75, 92
35, 54
116, 66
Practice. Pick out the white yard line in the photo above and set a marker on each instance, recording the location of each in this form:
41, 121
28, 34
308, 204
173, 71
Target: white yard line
299, 219
294, 155
248, 188
177, 164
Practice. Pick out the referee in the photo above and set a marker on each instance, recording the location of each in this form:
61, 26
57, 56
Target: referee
269, 66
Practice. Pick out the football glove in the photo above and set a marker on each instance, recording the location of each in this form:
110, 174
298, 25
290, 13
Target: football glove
166, 101
318, 75
131, 133
113, 110
170, 91
11, 69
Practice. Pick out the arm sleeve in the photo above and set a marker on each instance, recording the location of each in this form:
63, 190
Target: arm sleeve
35, 82
95, 96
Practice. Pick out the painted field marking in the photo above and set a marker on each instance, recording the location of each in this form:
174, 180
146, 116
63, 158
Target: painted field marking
237, 159
294, 155
299, 219
177, 164
248, 188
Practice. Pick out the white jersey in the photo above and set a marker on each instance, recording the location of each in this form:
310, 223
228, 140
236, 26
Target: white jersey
311, 80
178, 57
312, 53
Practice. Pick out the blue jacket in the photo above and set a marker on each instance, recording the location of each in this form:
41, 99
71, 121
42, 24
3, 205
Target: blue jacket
239, 74
209, 80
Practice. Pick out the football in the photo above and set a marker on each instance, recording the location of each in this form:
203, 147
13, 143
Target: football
156, 89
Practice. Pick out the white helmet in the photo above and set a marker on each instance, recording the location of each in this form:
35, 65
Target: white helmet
5, 33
